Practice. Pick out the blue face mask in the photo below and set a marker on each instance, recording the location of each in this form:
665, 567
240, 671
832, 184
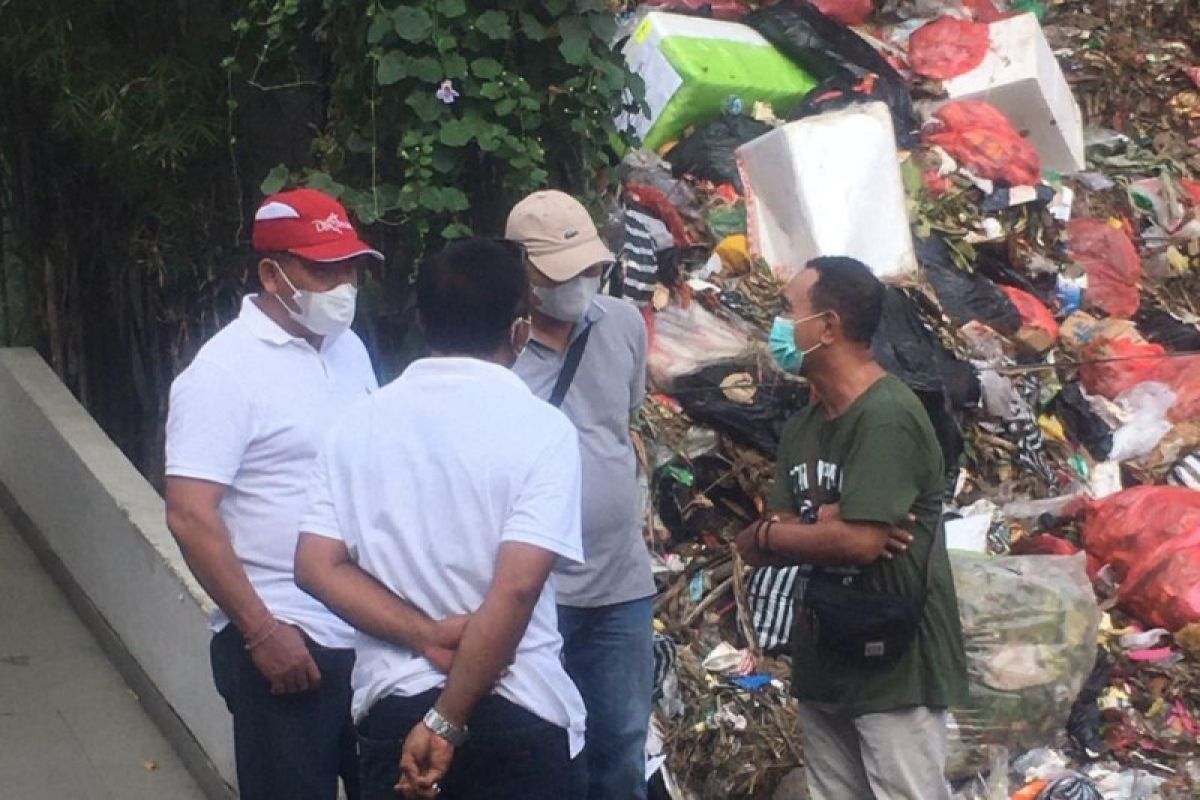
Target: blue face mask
782, 343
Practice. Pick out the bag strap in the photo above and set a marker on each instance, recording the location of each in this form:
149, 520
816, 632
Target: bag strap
570, 365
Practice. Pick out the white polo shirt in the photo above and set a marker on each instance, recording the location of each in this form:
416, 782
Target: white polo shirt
423, 481
250, 412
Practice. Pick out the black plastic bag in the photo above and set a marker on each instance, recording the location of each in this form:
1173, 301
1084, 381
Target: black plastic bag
1083, 725
841, 59
1081, 423
965, 297
905, 347
1158, 326
758, 424
708, 152
679, 482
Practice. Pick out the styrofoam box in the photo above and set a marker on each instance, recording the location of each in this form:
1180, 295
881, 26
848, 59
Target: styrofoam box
829, 185
1021, 77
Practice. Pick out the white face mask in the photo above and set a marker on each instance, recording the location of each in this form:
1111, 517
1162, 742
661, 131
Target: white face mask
324, 313
569, 301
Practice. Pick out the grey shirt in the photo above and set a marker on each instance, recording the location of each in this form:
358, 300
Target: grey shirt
609, 384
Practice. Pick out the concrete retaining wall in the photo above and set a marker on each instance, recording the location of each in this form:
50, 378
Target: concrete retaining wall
99, 527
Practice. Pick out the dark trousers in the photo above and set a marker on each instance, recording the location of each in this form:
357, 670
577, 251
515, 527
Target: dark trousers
511, 753
288, 747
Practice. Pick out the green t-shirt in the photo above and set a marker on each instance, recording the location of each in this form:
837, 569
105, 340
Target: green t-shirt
879, 459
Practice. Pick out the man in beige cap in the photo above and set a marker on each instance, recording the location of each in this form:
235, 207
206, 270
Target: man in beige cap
587, 355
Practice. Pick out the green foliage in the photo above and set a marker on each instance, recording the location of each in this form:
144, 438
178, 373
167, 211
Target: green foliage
442, 113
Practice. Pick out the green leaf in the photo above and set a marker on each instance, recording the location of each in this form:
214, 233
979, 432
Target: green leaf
426, 68
276, 179
456, 133
486, 68
444, 160
456, 230
454, 199
604, 25
451, 9
412, 24
321, 181
556, 7
494, 25
454, 66
533, 30
387, 195
491, 91
576, 41
381, 25
446, 43
430, 198
393, 68
505, 107
425, 105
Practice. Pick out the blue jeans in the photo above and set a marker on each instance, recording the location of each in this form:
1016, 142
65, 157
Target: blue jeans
511, 754
292, 746
609, 653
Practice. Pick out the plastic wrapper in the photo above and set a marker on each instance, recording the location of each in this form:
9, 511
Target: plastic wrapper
947, 47
1114, 269
980, 137
684, 340
1148, 405
1150, 535
965, 297
708, 153
1029, 626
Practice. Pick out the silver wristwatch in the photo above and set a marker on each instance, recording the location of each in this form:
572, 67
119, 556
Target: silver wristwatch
444, 728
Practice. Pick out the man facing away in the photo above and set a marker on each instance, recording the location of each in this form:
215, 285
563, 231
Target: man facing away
245, 421
587, 355
879, 650
455, 490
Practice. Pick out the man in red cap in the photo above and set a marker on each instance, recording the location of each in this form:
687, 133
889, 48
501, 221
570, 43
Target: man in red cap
245, 423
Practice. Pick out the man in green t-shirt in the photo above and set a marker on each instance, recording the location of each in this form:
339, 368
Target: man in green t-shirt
850, 468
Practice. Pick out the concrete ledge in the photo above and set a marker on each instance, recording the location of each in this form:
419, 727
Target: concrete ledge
99, 528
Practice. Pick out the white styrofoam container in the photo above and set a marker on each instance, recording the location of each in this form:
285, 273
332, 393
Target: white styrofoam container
1021, 77
829, 185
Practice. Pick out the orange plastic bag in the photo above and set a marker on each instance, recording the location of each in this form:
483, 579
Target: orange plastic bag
1151, 537
1114, 270
1114, 365
947, 48
979, 136
1033, 313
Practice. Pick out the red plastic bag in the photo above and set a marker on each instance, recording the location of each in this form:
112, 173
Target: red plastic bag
1043, 544
1151, 537
655, 202
982, 10
1033, 313
947, 48
847, 12
979, 136
1114, 365
1113, 268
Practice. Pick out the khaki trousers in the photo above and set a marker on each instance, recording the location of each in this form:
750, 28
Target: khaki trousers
899, 755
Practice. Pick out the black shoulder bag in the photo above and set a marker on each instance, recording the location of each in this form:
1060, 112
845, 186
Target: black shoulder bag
868, 627
570, 365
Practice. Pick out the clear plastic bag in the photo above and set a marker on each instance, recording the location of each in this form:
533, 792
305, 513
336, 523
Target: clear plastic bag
684, 339
1029, 625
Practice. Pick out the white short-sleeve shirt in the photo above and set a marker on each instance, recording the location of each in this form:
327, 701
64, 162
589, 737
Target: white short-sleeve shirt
423, 481
249, 413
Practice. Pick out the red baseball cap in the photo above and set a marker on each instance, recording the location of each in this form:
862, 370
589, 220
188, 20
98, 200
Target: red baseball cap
308, 224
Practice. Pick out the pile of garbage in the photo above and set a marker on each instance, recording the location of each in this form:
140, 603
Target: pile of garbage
1021, 178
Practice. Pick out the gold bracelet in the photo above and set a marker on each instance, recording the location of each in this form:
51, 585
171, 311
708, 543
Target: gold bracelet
262, 637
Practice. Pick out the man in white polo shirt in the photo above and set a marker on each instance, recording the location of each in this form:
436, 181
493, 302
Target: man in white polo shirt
245, 422
455, 489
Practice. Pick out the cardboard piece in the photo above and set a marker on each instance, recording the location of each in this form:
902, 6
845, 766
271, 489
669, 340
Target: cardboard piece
692, 66
1021, 77
829, 185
